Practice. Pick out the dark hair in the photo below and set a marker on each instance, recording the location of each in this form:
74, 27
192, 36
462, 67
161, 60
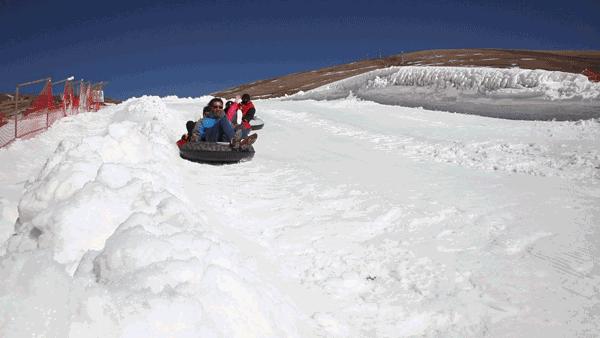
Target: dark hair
245, 97
216, 99
190, 126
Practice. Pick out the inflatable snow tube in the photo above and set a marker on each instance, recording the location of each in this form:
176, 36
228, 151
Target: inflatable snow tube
211, 152
257, 123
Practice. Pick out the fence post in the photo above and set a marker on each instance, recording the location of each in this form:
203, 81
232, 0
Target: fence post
16, 109
67, 82
48, 109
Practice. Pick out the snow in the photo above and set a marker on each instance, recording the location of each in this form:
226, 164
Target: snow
508, 93
353, 219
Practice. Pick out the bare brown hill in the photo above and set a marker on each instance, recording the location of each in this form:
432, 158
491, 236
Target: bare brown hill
7, 102
566, 61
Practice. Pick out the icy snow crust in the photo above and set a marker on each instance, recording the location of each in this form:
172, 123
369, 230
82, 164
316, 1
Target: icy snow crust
506, 93
354, 219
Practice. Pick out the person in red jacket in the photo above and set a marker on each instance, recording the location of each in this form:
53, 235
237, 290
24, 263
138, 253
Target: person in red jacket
185, 138
248, 111
231, 108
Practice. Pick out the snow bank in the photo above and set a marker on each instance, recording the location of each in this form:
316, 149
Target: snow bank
507, 93
107, 244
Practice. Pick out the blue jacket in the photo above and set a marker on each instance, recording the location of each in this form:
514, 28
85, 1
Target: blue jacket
205, 123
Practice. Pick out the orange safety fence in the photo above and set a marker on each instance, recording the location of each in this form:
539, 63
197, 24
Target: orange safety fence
68, 99
43, 102
7, 132
37, 116
43, 111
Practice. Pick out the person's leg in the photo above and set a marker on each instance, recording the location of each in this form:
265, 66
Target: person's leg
245, 132
211, 134
247, 141
226, 129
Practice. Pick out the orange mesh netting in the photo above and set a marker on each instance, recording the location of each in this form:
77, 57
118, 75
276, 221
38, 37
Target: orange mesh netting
42, 102
70, 101
7, 130
68, 97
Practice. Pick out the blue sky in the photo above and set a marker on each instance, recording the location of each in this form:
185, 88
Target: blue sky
190, 48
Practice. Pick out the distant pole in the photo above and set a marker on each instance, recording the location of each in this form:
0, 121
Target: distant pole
16, 109
17, 100
70, 78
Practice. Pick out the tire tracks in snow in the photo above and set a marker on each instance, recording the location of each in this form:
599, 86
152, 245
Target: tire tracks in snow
370, 256
331, 238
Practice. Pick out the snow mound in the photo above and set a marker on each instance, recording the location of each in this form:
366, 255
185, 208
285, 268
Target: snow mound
522, 93
122, 242
492, 82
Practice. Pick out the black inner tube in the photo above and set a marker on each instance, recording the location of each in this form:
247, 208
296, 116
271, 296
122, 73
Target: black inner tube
211, 152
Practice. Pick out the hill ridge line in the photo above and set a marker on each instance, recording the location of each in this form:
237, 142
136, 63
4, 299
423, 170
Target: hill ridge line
572, 61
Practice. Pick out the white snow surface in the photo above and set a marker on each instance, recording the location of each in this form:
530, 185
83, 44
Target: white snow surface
507, 93
354, 219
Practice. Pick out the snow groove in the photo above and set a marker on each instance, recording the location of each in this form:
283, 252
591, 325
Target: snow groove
531, 159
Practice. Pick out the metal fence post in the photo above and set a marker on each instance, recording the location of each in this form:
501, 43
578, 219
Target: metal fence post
48, 110
16, 109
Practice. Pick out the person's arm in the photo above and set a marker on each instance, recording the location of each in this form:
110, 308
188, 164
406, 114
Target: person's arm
249, 115
196, 134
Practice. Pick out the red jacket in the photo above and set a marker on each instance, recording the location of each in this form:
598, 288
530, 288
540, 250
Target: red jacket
184, 139
248, 111
231, 111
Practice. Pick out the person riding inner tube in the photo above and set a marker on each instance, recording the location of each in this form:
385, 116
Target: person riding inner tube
214, 139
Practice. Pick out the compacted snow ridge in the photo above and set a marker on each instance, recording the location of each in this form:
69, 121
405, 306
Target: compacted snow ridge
507, 93
354, 218
552, 85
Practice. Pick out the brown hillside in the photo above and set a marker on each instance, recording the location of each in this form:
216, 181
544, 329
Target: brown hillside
7, 102
566, 61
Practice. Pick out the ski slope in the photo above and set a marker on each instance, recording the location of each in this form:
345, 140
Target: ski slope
354, 219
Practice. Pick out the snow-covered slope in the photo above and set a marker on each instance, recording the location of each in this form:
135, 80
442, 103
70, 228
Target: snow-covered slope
507, 93
353, 219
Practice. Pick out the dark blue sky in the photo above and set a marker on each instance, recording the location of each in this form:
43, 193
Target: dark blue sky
190, 48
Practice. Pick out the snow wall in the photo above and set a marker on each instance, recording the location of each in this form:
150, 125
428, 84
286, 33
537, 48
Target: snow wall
508, 93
